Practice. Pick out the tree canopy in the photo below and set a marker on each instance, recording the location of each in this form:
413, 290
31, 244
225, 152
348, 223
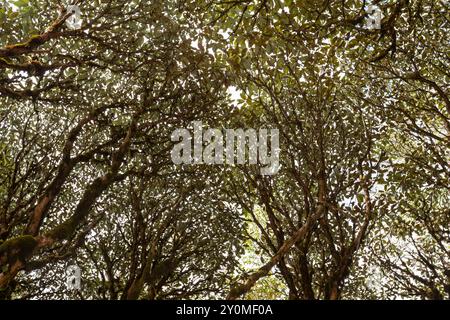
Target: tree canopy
359, 206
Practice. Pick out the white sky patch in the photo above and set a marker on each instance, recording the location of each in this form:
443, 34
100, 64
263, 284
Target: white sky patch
234, 93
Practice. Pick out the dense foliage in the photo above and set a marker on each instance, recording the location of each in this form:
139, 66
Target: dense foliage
359, 208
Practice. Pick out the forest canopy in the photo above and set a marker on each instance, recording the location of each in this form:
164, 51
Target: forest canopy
359, 204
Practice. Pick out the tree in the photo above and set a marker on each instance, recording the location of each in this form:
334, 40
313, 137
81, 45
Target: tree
90, 122
358, 207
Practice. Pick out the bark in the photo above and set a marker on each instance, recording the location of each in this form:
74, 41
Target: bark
251, 280
65, 168
35, 41
66, 229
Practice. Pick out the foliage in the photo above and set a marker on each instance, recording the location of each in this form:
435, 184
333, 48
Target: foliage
358, 210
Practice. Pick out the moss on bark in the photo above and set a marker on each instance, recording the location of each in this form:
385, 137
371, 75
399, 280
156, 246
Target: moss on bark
64, 230
23, 245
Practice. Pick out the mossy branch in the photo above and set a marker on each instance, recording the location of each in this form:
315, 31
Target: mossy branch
21, 246
14, 50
